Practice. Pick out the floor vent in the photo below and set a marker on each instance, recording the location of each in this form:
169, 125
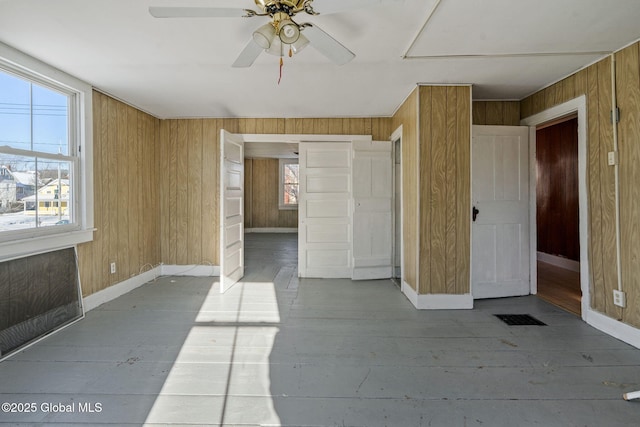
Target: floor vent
519, 320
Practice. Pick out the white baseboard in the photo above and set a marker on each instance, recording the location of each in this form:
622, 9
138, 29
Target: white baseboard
558, 261
112, 292
271, 230
437, 301
613, 327
410, 293
190, 270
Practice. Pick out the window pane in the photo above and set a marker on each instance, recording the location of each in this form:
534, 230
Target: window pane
15, 122
50, 121
291, 173
54, 207
291, 194
18, 182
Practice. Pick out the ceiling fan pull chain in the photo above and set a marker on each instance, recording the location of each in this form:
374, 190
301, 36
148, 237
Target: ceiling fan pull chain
281, 65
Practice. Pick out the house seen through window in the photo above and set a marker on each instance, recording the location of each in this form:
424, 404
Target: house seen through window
37, 155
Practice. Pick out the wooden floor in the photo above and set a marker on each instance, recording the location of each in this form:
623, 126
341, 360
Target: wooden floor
278, 351
560, 287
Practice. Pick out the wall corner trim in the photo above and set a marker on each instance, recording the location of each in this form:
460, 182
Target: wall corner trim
437, 301
112, 292
613, 327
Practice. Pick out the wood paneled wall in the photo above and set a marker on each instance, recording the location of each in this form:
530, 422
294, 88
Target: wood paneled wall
126, 195
261, 190
557, 211
501, 113
628, 96
445, 183
407, 116
436, 149
189, 150
595, 83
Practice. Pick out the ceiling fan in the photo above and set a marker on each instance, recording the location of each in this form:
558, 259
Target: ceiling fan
282, 34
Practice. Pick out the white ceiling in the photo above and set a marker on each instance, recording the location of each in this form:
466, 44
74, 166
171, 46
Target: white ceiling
182, 67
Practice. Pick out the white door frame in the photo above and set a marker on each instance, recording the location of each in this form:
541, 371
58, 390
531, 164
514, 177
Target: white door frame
577, 105
397, 136
298, 138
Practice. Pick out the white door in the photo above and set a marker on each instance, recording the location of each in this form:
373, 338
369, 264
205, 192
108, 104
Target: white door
324, 210
500, 198
372, 210
231, 209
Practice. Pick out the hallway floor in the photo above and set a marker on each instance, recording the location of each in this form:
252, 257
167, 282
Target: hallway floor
275, 350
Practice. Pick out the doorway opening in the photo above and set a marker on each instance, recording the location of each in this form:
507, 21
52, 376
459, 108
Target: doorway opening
552, 116
557, 213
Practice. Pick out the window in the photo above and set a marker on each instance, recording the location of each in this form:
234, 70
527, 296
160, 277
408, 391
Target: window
45, 155
288, 193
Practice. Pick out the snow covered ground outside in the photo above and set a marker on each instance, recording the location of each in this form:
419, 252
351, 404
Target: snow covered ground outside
19, 221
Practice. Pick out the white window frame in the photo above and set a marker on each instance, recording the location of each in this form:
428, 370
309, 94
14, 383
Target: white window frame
33, 241
281, 204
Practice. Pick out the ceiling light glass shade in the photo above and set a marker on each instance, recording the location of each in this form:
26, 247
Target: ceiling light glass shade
300, 44
289, 32
264, 36
277, 48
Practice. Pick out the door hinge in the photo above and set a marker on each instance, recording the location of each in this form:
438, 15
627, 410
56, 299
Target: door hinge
615, 114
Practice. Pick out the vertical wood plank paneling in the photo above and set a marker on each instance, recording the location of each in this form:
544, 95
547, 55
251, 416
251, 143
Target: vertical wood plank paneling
608, 189
581, 82
495, 113
182, 188
122, 205
479, 112
407, 116
426, 147
595, 197
538, 102
425, 197
438, 202
568, 88
103, 204
526, 107
209, 191
173, 192
334, 126
628, 96
112, 204
500, 113
451, 189
133, 164
163, 140
120, 172
194, 185
511, 113
463, 192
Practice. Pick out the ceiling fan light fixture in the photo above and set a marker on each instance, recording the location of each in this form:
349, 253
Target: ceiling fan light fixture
276, 48
288, 32
299, 44
264, 36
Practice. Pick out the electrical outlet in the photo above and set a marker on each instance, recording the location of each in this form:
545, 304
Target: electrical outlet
113, 268
619, 298
612, 158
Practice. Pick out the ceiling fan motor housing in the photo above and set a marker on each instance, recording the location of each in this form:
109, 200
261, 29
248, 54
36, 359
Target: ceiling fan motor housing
289, 7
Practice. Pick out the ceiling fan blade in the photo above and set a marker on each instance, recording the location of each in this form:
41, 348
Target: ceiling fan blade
196, 12
325, 7
248, 55
327, 45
